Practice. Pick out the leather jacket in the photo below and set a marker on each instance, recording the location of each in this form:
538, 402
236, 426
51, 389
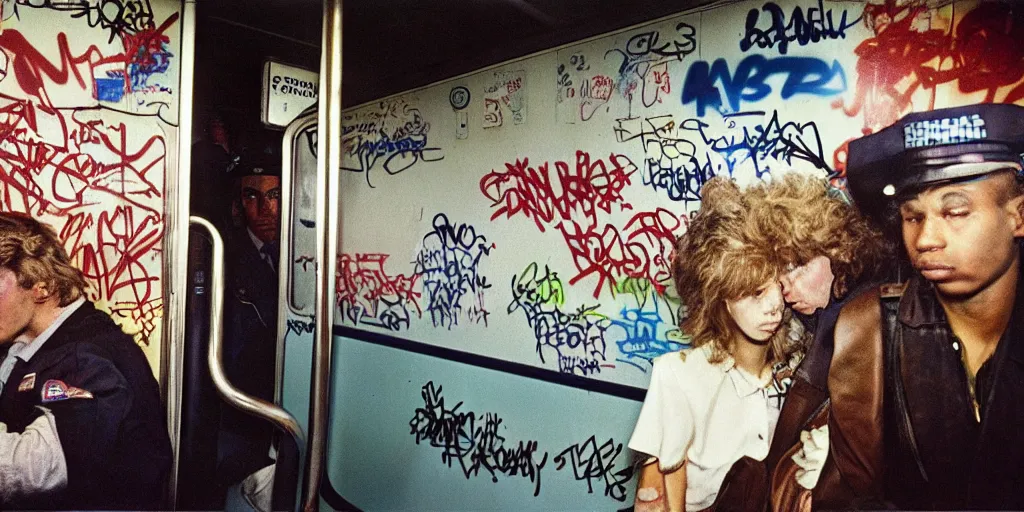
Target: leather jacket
903, 432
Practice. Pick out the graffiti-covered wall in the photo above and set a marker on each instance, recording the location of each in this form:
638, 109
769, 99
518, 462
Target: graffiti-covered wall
526, 213
540, 199
88, 130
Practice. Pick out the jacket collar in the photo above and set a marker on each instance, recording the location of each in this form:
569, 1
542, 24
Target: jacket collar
919, 305
68, 331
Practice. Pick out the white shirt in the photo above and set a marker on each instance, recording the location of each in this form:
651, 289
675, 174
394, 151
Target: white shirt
32, 462
707, 416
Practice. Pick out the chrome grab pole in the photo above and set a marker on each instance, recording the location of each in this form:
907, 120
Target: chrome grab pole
327, 227
215, 355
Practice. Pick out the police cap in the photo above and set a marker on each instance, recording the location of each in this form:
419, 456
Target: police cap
258, 165
929, 148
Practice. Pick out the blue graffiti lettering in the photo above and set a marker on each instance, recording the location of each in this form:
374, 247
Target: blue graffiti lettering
671, 162
803, 75
449, 263
746, 137
644, 332
147, 63
393, 135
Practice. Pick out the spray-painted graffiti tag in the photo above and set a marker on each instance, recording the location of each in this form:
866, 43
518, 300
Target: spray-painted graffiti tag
915, 50
474, 445
449, 263
750, 82
590, 463
117, 16
817, 25
393, 134
368, 295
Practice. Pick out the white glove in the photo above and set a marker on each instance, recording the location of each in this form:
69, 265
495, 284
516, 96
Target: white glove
811, 457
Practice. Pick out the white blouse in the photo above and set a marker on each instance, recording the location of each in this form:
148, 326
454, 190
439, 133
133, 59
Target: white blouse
707, 416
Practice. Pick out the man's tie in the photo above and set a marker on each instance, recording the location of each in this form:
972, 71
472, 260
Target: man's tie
271, 253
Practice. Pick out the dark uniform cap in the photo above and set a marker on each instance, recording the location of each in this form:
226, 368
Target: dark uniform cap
258, 165
928, 148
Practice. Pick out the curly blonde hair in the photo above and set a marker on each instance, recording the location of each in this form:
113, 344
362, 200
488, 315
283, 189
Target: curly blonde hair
715, 262
800, 217
35, 254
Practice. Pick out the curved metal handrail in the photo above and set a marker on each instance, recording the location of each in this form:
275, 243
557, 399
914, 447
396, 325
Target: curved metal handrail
214, 356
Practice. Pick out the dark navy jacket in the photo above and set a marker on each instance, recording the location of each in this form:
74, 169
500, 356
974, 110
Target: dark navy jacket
115, 443
250, 355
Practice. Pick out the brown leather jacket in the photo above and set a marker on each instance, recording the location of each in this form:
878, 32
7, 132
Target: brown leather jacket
902, 428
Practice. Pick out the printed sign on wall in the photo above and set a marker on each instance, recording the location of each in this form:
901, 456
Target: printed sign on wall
287, 91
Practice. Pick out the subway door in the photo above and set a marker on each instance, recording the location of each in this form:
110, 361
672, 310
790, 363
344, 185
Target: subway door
296, 307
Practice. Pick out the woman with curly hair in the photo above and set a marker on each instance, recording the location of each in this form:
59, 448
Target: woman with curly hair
713, 404
827, 251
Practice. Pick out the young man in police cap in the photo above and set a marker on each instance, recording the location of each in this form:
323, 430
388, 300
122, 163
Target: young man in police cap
83, 426
250, 313
927, 380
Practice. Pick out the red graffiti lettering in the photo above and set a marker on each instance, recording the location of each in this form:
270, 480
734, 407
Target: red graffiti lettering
583, 189
912, 52
94, 174
100, 187
30, 67
144, 46
573, 206
365, 290
656, 84
645, 253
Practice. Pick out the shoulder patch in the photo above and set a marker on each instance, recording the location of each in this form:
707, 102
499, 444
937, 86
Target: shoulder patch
74, 392
56, 390
891, 290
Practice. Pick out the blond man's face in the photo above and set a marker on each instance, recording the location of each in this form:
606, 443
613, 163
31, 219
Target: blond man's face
17, 306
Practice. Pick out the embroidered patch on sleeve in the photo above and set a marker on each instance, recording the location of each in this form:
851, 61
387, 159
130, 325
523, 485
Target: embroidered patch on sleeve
28, 382
74, 392
55, 390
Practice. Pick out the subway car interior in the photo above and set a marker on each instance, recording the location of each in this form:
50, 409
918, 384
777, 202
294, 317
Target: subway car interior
397, 255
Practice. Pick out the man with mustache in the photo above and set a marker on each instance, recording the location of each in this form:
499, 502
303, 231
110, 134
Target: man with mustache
250, 314
926, 379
